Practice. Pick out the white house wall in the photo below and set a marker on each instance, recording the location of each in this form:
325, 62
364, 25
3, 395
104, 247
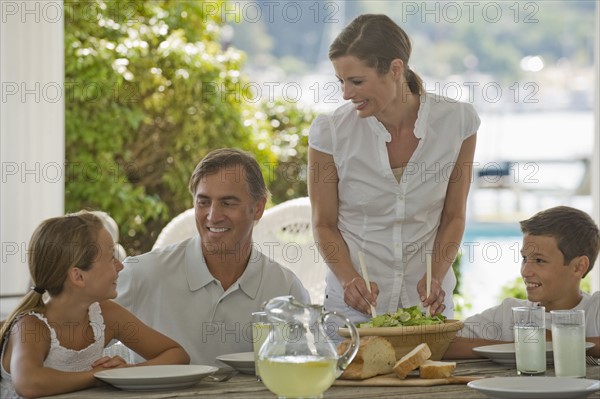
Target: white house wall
32, 129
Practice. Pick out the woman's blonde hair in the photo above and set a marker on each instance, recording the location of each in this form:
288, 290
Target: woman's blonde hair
376, 40
57, 245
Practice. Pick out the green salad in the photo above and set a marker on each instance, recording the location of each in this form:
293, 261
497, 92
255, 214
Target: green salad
412, 316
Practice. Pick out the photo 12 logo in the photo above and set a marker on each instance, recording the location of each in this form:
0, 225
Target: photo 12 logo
43, 11
472, 11
55, 172
69, 91
272, 11
31, 11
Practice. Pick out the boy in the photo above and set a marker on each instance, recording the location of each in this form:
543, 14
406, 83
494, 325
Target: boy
560, 246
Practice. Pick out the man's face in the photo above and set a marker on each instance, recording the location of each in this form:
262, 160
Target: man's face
547, 278
225, 211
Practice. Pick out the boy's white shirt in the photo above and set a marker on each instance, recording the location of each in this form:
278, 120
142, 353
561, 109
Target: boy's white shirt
496, 323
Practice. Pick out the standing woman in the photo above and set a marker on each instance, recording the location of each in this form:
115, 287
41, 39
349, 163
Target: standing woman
389, 175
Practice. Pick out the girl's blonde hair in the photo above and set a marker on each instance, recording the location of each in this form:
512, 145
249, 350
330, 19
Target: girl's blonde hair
57, 245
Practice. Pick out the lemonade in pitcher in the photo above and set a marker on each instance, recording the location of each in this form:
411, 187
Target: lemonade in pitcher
301, 361
298, 376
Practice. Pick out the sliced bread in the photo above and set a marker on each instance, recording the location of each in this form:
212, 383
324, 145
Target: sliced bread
375, 356
412, 360
431, 369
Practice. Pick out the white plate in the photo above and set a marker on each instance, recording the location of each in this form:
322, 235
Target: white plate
535, 387
150, 378
505, 353
242, 362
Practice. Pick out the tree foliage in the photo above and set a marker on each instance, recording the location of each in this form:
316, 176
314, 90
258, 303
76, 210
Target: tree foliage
151, 90
287, 137
497, 34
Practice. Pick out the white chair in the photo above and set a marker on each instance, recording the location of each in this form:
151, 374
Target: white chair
284, 233
181, 227
113, 229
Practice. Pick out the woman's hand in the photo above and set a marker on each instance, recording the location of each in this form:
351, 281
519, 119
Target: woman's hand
110, 362
357, 296
436, 297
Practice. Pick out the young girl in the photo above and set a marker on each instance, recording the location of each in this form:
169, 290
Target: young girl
56, 346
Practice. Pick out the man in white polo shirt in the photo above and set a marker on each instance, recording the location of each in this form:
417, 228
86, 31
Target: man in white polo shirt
201, 291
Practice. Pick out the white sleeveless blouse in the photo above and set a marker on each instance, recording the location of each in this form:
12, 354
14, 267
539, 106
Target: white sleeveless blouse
393, 221
59, 357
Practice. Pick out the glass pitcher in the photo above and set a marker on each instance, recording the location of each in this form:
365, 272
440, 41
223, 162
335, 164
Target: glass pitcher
298, 359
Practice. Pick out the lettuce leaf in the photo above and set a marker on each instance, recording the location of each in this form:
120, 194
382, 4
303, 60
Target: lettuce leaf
412, 316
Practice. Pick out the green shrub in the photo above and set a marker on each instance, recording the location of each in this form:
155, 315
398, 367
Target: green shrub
150, 91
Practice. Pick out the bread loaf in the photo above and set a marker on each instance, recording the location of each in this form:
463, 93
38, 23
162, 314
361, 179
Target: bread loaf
431, 369
375, 356
412, 360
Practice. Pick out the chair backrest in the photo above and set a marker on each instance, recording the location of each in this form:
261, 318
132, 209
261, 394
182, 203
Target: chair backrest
181, 227
113, 229
284, 233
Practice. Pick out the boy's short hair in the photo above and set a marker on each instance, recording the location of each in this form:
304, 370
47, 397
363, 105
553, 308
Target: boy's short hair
575, 232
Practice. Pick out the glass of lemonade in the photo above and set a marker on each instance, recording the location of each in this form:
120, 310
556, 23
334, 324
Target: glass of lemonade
530, 339
568, 342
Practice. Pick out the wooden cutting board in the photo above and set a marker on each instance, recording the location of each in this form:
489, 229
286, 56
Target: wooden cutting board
390, 380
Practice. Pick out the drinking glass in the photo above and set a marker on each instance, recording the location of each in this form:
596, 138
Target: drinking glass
530, 339
568, 342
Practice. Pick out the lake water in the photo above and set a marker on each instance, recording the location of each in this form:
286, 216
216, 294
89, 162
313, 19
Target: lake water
547, 154
490, 260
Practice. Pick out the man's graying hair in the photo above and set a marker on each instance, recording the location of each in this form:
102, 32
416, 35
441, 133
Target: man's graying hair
228, 160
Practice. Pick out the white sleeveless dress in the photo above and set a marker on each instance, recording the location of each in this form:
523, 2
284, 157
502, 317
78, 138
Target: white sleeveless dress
59, 357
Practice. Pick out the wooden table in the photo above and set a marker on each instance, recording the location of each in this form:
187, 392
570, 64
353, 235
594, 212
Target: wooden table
246, 386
